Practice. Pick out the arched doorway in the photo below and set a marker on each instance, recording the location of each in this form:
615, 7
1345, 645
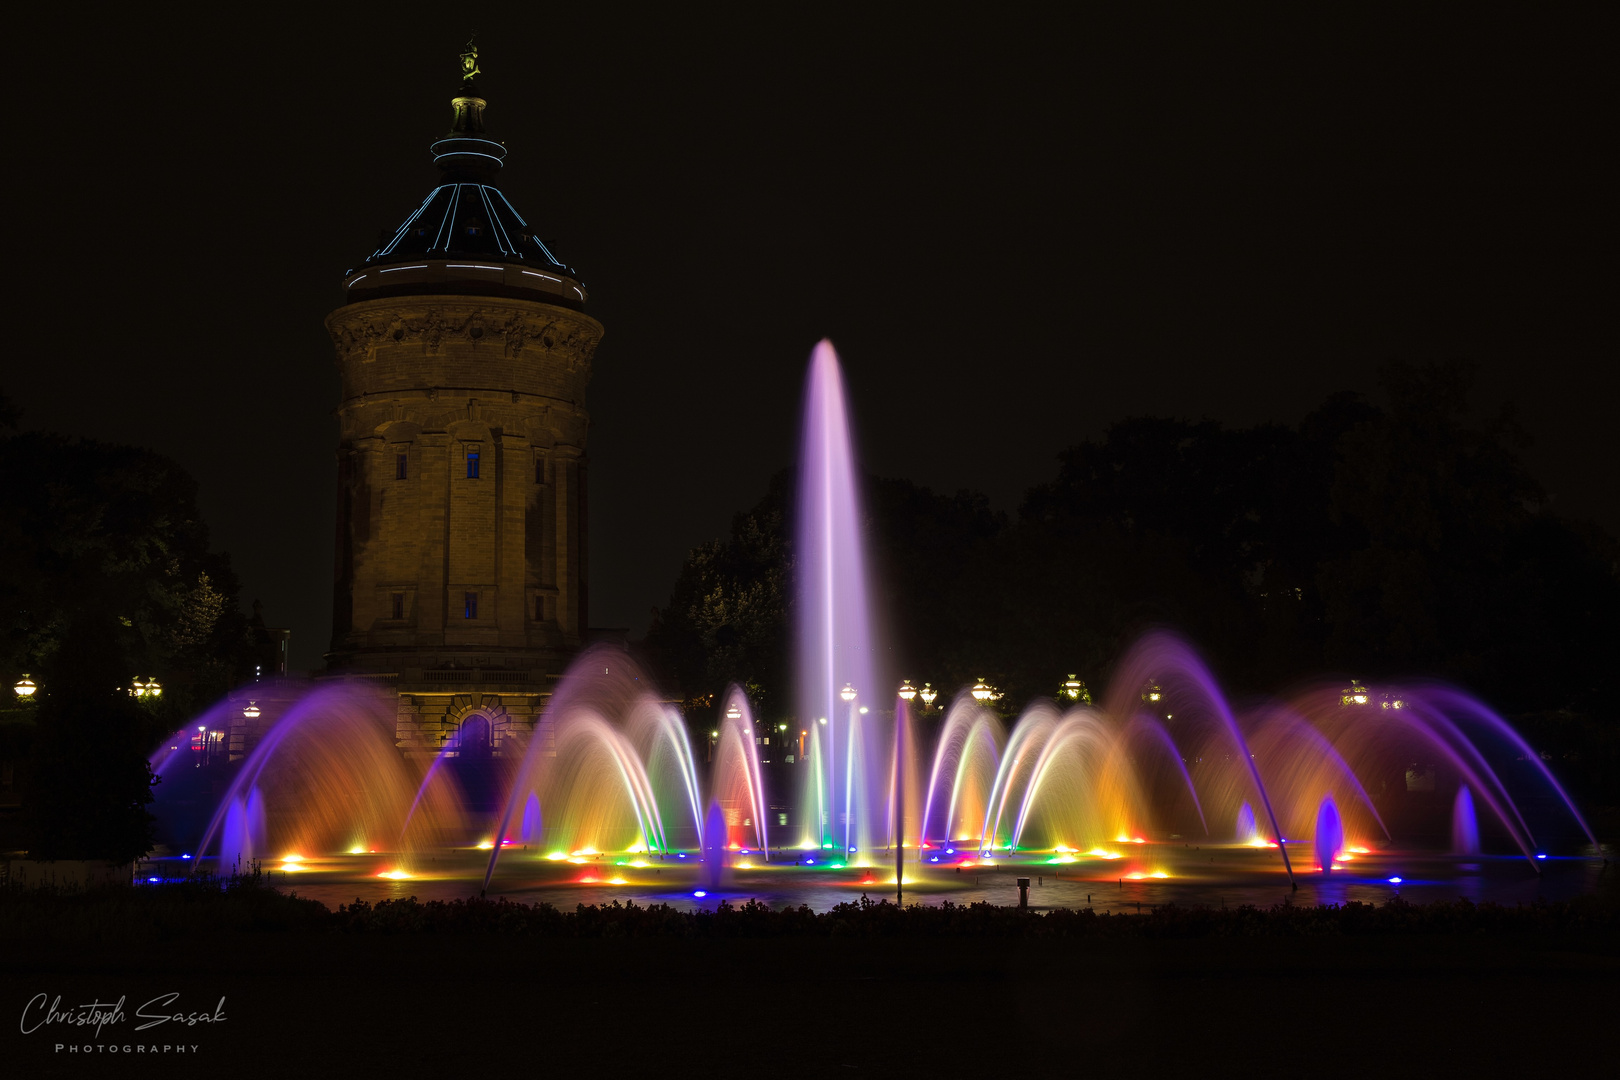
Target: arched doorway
474, 737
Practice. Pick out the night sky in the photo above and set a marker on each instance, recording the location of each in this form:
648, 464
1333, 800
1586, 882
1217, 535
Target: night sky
1017, 229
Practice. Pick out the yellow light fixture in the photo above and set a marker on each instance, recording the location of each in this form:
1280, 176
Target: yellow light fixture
928, 694
1074, 689
733, 712
252, 710
907, 691
1151, 692
983, 691
1354, 694
847, 693
25, 688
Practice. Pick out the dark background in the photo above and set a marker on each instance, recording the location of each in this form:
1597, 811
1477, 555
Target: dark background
1018, 229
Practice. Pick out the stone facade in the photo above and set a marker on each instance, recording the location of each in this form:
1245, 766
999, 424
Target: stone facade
461, 534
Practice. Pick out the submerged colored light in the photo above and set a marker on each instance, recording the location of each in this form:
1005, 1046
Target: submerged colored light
1539, 855
185, 856
1394, 881
700, 894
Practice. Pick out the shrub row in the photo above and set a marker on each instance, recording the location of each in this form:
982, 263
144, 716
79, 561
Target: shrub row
245, 903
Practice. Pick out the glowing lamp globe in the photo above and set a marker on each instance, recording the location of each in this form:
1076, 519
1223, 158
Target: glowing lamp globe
907, 691
1354, 694
733, 712
1074, 689
847, 693
25, 688
252, 710
1152, 693
982, 691
928, 694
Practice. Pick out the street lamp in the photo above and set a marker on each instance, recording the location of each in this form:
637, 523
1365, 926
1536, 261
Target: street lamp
1151, 692
907, 691
847, 693
733, 712
149, 688
252, 710
1355, 694
928, 694
1075, 690
25, 688
983, 691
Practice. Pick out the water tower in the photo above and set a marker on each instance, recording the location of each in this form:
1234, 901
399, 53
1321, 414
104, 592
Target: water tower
465, 352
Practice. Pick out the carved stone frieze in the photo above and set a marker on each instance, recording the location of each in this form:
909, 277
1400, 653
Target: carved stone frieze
359, 329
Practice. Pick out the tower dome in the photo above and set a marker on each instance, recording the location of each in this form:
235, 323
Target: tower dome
466, 237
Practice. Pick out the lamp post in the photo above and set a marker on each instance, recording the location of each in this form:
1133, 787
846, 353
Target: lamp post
848, 693
928, 694
1075, 691
25, 688
983, 691
1354, 694
900, 716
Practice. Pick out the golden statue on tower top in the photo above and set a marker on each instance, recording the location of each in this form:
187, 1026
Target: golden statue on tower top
469, 62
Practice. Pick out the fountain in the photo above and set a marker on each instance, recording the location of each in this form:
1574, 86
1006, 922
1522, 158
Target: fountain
1464, 825
1161, 782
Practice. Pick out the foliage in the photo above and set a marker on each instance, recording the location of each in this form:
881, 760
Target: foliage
245, 903
113, 532
727, 619
1365, 541
91, 782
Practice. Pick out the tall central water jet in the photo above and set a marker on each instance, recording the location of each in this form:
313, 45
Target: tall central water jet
837, 676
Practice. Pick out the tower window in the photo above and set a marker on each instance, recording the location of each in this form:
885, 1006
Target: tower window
472, 464
401, 466
399, 605
470, 602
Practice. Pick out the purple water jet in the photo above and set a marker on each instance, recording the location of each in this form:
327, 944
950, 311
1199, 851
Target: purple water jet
836, 672
1464, 824
1329, 839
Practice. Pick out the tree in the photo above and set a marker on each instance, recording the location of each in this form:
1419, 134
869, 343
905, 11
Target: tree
90, 780
92, 529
